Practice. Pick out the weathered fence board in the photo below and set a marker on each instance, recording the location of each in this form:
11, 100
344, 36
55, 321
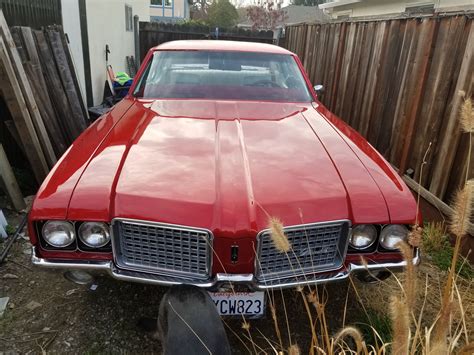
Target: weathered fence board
397, 81
21, 117
34, 13
53, 82
155, 33
27, 93
9, 181
449, 142
26, 46
66, 75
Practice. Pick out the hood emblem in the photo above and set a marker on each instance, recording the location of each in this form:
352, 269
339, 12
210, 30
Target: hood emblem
234, 254
308, 251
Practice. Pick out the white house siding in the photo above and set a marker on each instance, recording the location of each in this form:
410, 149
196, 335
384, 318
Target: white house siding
453, 4
367, 8
106, 25
72, 27
178, 10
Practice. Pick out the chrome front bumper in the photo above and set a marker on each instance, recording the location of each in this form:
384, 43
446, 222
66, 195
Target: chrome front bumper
109, 267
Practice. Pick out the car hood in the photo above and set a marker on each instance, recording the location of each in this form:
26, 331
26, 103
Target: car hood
229, 166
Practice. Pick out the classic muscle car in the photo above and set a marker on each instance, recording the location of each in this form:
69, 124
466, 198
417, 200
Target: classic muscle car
177, 183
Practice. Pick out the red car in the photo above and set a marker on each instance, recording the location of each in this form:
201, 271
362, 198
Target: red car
178, 182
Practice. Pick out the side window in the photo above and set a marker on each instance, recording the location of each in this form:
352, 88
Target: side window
157, 2
168, 2
128, 18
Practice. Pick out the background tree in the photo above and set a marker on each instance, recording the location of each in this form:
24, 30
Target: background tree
268, 16
222, 13
199, 10
308, 2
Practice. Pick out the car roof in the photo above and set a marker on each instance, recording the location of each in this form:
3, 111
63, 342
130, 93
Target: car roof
220, 45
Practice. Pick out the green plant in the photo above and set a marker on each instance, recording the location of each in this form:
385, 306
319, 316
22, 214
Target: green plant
434, 237
436, 244
443, 258
10, 229
375, 327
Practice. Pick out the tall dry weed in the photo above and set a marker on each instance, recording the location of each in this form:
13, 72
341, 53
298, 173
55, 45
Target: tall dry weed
278, 236
462, 210
466, 116
460, 221
459, 224
400, 324
409, 336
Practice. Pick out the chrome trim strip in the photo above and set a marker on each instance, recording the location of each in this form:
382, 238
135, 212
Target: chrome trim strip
337, 277
249, 279
69, 264
235, 278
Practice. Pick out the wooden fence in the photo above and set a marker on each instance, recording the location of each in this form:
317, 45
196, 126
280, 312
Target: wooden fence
155, 33
398, 82
32, 13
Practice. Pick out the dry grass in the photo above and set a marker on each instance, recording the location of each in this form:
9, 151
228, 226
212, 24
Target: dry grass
462, 210
466, 117
430, 311
435, 237
401, 325
294, 350
434, 318
412, 327
279, 239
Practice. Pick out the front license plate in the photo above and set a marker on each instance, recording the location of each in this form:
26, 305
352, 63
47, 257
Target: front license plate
239, 303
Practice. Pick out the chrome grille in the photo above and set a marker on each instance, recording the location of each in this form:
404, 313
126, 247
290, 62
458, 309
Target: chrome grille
176, 251
314, 248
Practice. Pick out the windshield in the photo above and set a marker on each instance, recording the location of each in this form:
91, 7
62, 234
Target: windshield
225, 75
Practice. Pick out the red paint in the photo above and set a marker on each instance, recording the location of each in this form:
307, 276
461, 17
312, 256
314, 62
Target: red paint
224, 166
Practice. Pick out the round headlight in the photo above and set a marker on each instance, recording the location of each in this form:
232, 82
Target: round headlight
59, 234
363, 236
94, 234
392, 234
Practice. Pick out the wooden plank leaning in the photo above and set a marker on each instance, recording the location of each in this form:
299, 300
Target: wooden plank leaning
10, 183
26, 46
38, 82
25, 88
72, 69
16, 104
53, 82
59, 54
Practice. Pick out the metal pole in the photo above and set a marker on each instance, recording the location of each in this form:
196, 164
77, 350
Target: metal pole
136, 34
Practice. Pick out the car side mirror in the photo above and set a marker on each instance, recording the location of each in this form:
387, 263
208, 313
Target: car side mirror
319, 89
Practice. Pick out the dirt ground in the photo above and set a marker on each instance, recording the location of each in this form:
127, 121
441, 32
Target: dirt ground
48, 313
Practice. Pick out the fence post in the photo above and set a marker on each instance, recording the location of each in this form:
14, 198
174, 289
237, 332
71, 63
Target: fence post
136, 36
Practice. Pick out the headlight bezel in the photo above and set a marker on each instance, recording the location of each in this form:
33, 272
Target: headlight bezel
56, 246
77, 245
82, 240
372, 243
383, 235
